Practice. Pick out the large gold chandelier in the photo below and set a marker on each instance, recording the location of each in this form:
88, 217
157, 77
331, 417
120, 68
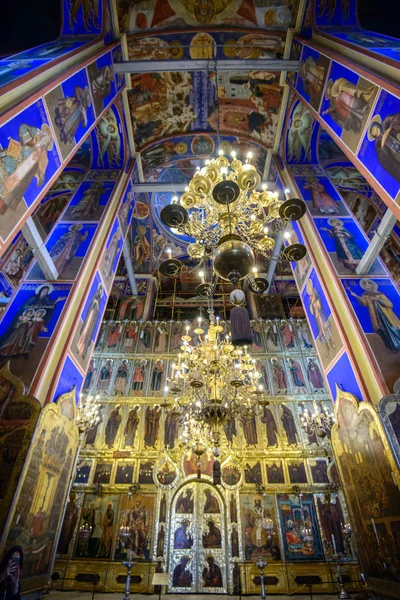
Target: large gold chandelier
231, 222
212, 383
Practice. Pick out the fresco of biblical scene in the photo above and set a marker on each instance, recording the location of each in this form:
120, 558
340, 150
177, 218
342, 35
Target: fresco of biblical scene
43, 490
320, 196
89, 201
256, 541
111, 256
379, 151
82, 17
102, 473
288, 336
360, 442
275, 472
152, 417
206, 463
120, 386
99, 518
319, 471
299, 526
145, 338
113, 428
124, 473
289, 425
312, 76
347, 104
28, 160
346, 245
161, 338
137, 513
167, 473
110, 143
102, 83
322, 322
126, 211
297, 472
279, 376
272, 341
67, 245
146, 472
158, 378
269, 419
68, 530
140, 378
28, 325
301, 134
252, 472
71, 112
17, 260
83, 468
48, 213
376, 303
231, 474
302, 267
89, 323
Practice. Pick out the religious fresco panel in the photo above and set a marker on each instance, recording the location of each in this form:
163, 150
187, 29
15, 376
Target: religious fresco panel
28, 324
137, 513
141, 377
321, 320
89, 201
359, 439
302, 267
320, 195
271, 337
348, 125
122, 376
17, 260
89, 323
111, 255
126, 211
342, 374
102, 473
108, 139
146, 472
275, 472
99, 519
313, 72
71, 112
302, 133
69, 378
289, 425
102, 82
124, 473
299, 527
254, 509
376, 305
69, 531
29, 159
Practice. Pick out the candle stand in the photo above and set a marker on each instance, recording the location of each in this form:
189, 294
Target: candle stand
343, 595
261, 564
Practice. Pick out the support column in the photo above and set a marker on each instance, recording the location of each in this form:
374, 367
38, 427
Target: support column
39, 249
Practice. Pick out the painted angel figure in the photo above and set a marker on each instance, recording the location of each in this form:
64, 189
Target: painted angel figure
109, 139
300, 134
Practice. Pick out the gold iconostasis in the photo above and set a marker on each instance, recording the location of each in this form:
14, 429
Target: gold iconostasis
135, 474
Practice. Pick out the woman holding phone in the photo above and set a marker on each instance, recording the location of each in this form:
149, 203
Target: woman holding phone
10, 571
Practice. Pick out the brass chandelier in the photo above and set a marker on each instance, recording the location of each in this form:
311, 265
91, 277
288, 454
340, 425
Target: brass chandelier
212, 383
231, 222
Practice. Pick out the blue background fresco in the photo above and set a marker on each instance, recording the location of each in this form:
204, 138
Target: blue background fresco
342, 374
70, 376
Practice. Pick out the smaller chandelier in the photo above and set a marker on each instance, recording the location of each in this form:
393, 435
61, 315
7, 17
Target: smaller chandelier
213, 383
319, 422
231, 222
88, 412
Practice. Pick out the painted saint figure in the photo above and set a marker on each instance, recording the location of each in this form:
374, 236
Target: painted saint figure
297, 375
121, 378
314, 375
279, 376
212, 576
312, 74
89, 323
106, 525
287, 332
321, 200
113, 423
386, 136
316, 309
131, 427
250, 431
105, 376
347, 250
69, 524
271, 427
161, 338
21, 162
139, 377
110, 255
230, 430
185, 503
152, 425
71, 112
157, 376
211, 504
65, 248
289, 425
182, 577
90, 201
171, 429
349, 103
130, 336
182, 536
384, 320
212, 538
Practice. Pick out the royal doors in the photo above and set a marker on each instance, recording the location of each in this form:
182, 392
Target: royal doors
197, 546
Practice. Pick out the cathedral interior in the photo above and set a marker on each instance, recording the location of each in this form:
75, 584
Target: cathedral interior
199, 299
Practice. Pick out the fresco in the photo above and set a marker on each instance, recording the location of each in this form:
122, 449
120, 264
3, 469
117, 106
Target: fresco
17, 260
256, 541
98, 516
379, 152
89, 201
126, 211
342, 374
299, 526
28, 325
70, 377
109, 145
301, 133
138, 514
321, 320
358, 440
320, 195
302, 267
89, 323
68, 245
346, 245
82, 17
39, 504
376, 305
102, 82
70, 108
111, 255
154, 15
312, 76
347, 122
28, 160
